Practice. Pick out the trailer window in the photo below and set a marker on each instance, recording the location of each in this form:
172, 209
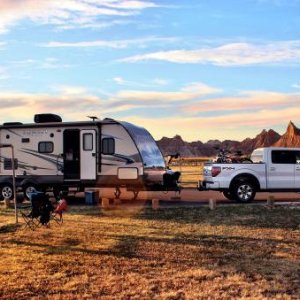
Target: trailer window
88, 142
108, 146
8, 163
46, 147
297, 157
148, 149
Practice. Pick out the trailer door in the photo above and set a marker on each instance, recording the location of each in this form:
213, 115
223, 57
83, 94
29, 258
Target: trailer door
88, 155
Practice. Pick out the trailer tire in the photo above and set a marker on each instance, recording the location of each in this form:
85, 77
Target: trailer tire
6, 191
243, 190
28, 189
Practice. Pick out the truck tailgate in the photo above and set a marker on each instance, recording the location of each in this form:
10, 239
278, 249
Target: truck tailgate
219, 175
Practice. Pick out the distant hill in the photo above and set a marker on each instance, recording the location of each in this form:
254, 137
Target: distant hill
267, 138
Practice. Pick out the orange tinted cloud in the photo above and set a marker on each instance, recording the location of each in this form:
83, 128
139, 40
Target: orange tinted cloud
241, 119
189, 92
235, 126
252, 100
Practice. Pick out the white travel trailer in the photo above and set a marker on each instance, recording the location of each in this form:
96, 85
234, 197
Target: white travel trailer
51, 154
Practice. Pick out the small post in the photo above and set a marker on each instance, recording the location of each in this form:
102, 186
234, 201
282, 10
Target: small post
13, 177
155, 204
212, 204
14, 183
105, 203
270, 201
117, 201
7, 202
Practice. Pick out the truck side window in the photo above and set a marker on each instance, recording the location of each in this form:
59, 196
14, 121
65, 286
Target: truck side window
108, 146
46, 147
297, 157
283, 157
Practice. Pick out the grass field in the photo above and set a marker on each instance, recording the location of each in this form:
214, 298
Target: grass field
233, 252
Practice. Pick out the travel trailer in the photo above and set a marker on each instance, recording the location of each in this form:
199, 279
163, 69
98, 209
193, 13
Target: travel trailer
56, 155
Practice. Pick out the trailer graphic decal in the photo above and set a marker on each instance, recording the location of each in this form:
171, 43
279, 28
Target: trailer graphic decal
23, 165
13, 132
51, 158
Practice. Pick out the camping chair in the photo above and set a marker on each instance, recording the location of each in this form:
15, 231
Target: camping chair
61, 207
38, 212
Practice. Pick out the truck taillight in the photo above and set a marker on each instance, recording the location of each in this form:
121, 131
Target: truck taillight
215, 171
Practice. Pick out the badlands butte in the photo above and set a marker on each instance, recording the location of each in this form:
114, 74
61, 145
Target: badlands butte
267, 138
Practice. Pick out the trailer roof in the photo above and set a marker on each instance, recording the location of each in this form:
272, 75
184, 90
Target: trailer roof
58, 124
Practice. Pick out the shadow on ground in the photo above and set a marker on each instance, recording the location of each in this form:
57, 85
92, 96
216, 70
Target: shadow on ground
256, 216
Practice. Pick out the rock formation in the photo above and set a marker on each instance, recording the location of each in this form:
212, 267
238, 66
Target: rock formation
266, 138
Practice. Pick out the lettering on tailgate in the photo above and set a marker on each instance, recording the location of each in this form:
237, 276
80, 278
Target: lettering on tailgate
228, 168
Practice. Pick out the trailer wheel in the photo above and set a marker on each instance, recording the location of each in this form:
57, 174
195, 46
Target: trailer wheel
28, 189
6, 191
243, 190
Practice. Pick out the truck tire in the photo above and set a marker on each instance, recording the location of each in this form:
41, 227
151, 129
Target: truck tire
6, 191
228, 195
243, 190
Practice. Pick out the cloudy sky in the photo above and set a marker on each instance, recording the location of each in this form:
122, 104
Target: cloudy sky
203, 69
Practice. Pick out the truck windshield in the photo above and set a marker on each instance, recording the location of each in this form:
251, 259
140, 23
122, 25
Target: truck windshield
151, 155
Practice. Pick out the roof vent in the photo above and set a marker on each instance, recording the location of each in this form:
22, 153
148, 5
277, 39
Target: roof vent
47, 118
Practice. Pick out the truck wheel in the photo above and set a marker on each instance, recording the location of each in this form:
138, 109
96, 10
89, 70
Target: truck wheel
6, 191
228, 195
243, 191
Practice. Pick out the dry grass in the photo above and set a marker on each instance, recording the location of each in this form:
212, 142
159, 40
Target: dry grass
191, 169
190, 175
181, 253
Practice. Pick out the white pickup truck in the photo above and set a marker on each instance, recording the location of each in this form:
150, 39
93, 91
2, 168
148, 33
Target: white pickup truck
272, 170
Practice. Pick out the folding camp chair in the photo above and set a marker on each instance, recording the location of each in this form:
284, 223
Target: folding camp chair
61, 207
38, 212
57, 214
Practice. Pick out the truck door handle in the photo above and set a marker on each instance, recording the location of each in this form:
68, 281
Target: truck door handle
297, 169
272, 169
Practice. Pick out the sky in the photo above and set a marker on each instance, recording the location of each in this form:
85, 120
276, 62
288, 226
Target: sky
203, 69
